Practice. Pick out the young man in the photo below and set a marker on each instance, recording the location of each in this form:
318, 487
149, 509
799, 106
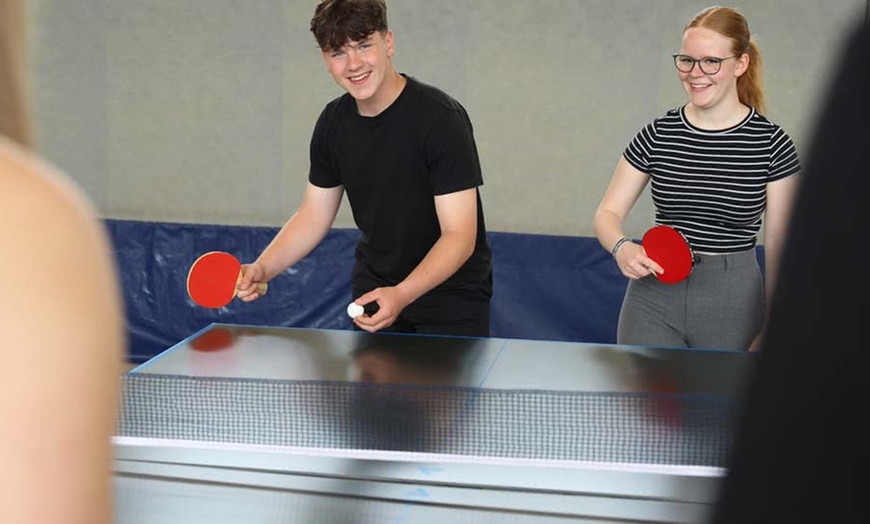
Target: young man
404, 152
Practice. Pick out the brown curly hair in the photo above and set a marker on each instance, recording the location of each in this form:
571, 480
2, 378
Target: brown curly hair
337, 22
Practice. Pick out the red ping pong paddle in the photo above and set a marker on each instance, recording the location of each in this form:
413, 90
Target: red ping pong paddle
670, 249
213, 279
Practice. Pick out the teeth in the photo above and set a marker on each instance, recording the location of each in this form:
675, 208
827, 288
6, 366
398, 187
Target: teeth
360, 77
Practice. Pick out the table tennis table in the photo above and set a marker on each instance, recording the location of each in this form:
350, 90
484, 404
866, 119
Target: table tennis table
257, 424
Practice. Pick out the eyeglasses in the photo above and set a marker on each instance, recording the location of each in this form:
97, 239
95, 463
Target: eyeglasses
709, 65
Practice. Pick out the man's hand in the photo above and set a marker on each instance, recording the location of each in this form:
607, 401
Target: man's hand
390, 302
251, 275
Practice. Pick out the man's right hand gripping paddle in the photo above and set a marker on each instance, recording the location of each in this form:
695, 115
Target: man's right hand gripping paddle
214, 278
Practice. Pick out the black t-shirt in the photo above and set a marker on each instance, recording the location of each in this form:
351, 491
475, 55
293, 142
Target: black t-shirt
391, 167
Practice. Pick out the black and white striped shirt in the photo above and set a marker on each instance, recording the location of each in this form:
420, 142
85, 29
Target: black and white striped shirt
710, 185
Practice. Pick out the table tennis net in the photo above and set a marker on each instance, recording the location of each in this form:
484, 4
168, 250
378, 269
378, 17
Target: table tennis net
637, 428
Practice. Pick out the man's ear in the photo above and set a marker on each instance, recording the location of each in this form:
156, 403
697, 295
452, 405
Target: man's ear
391, 43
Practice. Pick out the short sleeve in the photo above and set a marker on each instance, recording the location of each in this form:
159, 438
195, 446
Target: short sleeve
321, 172
451, 154
638, 151
784, 159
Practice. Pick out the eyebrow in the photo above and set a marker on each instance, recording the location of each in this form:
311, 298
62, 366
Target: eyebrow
352, 45
703, 57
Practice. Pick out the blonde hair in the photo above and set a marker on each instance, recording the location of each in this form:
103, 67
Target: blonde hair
729, 23
14, 117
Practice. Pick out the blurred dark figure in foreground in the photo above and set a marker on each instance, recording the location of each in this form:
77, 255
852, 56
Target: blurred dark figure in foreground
801, 445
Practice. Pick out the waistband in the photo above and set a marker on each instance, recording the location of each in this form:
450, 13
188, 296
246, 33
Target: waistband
724, 261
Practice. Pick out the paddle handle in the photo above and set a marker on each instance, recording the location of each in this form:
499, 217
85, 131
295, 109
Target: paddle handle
262, 287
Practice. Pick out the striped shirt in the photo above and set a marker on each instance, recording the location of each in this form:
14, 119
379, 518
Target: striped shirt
710, 185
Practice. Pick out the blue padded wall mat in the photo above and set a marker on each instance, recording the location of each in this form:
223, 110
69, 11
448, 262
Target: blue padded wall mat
546, 287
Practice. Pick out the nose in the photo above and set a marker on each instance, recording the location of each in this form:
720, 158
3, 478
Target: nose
353, 59
696, 70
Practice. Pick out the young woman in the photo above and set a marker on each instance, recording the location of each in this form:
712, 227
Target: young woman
716, 166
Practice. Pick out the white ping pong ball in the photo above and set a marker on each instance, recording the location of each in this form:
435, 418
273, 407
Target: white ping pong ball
354, 310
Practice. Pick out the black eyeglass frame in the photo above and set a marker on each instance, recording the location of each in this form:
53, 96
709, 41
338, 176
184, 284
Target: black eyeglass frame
697, 61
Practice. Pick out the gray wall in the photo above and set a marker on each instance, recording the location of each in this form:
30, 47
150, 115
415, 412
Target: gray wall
201, 110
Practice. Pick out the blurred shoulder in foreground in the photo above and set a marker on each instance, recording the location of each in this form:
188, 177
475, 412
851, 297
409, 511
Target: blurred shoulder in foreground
61, 347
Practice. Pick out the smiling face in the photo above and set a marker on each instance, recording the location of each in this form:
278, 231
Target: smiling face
365, 70
707, 92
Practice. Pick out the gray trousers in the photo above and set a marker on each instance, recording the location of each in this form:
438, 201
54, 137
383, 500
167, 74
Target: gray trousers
720, 306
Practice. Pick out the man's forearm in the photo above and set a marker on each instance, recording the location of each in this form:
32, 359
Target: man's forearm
445, 258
